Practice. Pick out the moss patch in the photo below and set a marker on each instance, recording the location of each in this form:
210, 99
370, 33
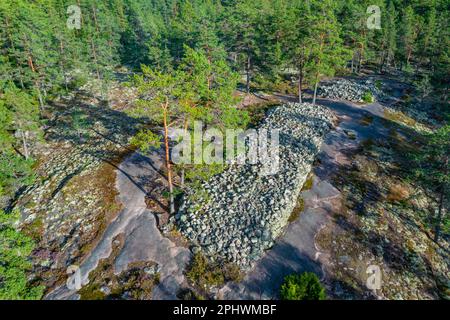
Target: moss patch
204, 274
297, 210
308, 183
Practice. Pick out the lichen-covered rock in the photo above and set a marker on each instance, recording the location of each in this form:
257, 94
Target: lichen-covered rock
350, 90
241, 211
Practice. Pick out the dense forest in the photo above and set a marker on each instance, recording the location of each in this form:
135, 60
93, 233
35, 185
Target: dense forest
41, 58
245, 44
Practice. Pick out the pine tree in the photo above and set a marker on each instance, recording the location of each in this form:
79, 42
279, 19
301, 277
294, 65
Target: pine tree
25, 116
240, 33
389, 36
160, 93
327, 53
408, 36
299, 42
433, 169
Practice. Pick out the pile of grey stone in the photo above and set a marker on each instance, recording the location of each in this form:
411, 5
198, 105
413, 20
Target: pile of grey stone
241, 211
350, 90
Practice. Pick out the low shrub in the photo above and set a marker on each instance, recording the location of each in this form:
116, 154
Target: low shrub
206, 274
15, 265
202, 273
368, 97
305, 286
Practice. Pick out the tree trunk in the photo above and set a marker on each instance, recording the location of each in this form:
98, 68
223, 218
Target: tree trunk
25, 146
183, 170
94, 55
248, 74
437, 232
382, 61
300, 80
358, 67
315, 89
319, 64
61, 52
169, 167
95, 19
408, 56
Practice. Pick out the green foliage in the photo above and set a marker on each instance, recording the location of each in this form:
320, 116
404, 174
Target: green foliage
433, 160
305, 286
424, 87
378, 84
19, 128
368, 97
14, 262
196, 174
80, 122
146, 140
432, 170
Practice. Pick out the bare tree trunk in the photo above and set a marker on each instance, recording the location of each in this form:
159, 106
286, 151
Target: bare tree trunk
382, 61
41, 100
95, 19
169, 167
25, 146
353, 62
248, 74
183, 170
300, 80
94, 55
319, 64
61, 52
315, 89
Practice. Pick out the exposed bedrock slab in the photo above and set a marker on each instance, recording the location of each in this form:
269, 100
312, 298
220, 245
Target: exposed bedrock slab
242, 210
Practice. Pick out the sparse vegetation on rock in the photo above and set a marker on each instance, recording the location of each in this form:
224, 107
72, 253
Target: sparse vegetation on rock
305, 286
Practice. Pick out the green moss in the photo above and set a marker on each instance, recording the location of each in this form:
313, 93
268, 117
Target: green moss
205, 274
297, 210
91, 292
34, 229
308, 183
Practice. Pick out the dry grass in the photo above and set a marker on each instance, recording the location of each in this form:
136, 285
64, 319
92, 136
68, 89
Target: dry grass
400, 117
397, 192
